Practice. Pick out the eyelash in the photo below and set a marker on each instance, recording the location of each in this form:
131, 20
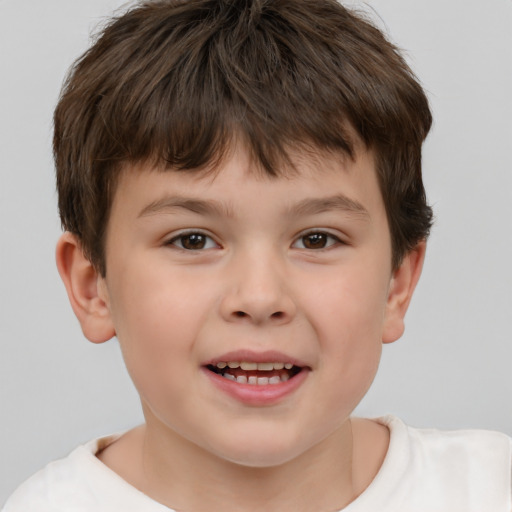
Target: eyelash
189, 235
209, 243
328, 236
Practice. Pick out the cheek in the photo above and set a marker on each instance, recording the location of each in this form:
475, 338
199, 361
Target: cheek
348, 318
157, 301
349, 304
156, 318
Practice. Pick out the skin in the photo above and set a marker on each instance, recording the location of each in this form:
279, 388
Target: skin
275, 272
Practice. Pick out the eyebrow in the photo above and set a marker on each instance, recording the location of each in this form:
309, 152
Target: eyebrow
200, 206
338, 202
314, 206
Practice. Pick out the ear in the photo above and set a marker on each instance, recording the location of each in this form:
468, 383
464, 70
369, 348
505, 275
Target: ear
86, 289
401, 288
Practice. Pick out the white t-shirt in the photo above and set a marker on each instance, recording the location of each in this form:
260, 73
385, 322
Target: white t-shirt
425, 470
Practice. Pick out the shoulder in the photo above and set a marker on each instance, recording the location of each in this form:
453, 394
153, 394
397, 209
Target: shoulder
79, 482
466, 470
488, 450
59, 484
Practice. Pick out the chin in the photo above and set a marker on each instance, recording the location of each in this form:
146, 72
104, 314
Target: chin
261, 460
260, 452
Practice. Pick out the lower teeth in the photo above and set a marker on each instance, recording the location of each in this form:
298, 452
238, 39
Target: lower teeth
257, 381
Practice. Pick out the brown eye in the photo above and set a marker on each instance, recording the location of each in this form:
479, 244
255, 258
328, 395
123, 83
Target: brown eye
193, 242
316, 240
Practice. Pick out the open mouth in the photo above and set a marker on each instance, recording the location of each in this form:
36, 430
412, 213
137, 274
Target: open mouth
255, 374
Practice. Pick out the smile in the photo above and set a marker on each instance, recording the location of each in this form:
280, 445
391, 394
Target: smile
253, 373
257, 379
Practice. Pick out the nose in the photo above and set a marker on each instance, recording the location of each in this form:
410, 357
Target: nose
258, 292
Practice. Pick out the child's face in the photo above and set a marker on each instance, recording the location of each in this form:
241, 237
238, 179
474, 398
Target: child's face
237, 267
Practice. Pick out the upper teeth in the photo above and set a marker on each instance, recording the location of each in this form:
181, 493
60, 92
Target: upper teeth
247, 365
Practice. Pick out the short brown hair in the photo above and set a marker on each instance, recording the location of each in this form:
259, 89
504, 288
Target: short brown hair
173, 81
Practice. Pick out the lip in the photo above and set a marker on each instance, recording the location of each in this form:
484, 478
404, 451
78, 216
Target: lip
257, 395
256, 357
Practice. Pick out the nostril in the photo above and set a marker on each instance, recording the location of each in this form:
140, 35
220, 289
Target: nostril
276, 316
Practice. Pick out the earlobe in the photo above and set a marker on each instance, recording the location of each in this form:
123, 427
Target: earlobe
86, 290
401, 289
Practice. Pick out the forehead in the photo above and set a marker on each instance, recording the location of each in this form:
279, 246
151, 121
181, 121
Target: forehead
310, 174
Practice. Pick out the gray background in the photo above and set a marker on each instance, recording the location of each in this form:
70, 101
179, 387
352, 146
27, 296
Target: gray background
452, 367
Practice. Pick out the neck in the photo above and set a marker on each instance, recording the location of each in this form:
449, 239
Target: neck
174, 469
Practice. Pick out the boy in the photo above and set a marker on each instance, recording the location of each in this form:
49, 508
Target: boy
241, 187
